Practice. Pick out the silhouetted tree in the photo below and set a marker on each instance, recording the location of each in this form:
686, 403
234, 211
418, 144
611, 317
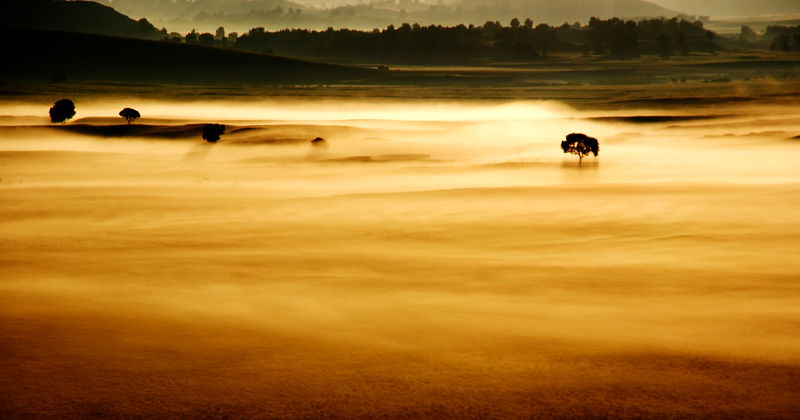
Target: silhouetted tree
469, 43
191, 37
319, 142
206, 39
747, 34
664, 45
781, 42
581, 145
682, 45
62, 110
528, 23
212, 132
130, 114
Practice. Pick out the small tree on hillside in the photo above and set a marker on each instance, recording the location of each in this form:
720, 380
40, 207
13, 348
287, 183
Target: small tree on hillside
62, 110
191, 37
206, 39
581, 145
130, 114
528, 23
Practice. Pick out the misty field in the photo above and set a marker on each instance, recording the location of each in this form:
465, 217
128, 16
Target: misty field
440, 259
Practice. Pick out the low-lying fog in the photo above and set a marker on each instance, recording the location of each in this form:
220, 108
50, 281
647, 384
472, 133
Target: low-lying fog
437, 260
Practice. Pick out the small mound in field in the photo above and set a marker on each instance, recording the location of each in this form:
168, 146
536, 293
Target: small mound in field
319, 142
655, 119
184, 131
381, 158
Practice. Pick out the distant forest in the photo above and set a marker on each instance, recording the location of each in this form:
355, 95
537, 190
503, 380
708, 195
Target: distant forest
519, 41
368, 14
461, 44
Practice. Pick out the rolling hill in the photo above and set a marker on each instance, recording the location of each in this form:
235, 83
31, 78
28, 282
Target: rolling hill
39, 56
73, 16
159, 9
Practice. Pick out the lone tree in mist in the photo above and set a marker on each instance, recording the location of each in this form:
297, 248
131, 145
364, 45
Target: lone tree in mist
212, 132
62, 110
581, 145
130, 114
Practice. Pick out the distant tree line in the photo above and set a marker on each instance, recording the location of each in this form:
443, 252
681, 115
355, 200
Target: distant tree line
783, 38
519, 40
776, 37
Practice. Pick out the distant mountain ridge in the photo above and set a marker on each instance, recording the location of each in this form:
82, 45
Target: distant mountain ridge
73, 16
750, 8
188, 9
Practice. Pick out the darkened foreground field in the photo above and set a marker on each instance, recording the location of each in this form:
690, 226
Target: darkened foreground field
440, 260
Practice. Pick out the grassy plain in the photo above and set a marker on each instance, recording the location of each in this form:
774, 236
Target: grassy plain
441, 259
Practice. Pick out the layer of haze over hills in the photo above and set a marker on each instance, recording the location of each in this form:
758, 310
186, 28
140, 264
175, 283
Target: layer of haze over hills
240, 15
738, 8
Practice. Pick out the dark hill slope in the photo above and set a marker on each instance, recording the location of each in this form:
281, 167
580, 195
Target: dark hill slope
39, 55
73, 16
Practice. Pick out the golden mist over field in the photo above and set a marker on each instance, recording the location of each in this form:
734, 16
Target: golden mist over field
441, 259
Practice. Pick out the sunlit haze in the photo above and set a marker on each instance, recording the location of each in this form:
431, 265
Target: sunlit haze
483, 213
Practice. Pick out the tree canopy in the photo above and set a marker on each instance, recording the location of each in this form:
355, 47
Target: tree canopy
213, 132
581, 145
413, 43
62, 110
130, 114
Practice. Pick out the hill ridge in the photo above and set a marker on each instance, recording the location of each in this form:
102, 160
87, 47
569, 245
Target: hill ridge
74, 16
91, 57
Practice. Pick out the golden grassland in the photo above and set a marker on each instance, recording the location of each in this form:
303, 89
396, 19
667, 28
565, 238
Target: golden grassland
441, 259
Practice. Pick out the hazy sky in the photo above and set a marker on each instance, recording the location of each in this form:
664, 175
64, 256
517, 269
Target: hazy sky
733, 7
715, 7
183, 18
